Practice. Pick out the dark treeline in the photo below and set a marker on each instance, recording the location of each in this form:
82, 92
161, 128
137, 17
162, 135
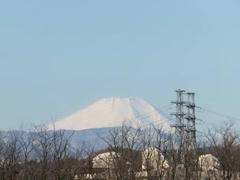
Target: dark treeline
131, 154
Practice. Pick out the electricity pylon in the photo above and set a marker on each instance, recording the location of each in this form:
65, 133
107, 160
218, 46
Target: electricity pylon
185, 125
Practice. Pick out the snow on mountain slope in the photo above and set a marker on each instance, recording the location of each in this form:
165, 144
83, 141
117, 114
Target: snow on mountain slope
113, 112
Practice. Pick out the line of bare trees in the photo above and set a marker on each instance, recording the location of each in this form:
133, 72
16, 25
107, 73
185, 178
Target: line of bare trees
39, 154
134, 154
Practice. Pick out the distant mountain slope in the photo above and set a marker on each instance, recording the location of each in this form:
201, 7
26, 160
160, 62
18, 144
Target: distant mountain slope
89, 138
113, 112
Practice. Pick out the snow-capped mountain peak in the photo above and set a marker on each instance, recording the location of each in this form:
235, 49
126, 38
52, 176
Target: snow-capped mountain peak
113, 112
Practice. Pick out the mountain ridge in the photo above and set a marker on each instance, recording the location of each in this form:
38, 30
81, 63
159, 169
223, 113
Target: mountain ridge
114, 112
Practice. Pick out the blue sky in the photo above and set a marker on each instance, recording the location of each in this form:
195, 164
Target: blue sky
57, 56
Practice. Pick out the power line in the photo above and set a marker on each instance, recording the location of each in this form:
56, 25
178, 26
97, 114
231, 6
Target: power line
218, 114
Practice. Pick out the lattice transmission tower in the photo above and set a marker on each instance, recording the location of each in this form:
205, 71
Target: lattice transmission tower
185, 124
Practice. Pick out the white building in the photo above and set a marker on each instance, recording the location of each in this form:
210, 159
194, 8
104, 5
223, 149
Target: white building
104, 160
153, 159
208, 162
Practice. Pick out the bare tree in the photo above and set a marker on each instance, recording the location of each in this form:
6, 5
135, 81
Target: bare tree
11, 155
60, 153
125, 142
155, 146
26, 143
43, 143
224, 142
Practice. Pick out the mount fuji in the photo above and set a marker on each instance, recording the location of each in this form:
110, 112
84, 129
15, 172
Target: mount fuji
90, 126
114, 112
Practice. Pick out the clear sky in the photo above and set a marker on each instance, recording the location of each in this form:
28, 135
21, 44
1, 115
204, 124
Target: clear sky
59, 56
